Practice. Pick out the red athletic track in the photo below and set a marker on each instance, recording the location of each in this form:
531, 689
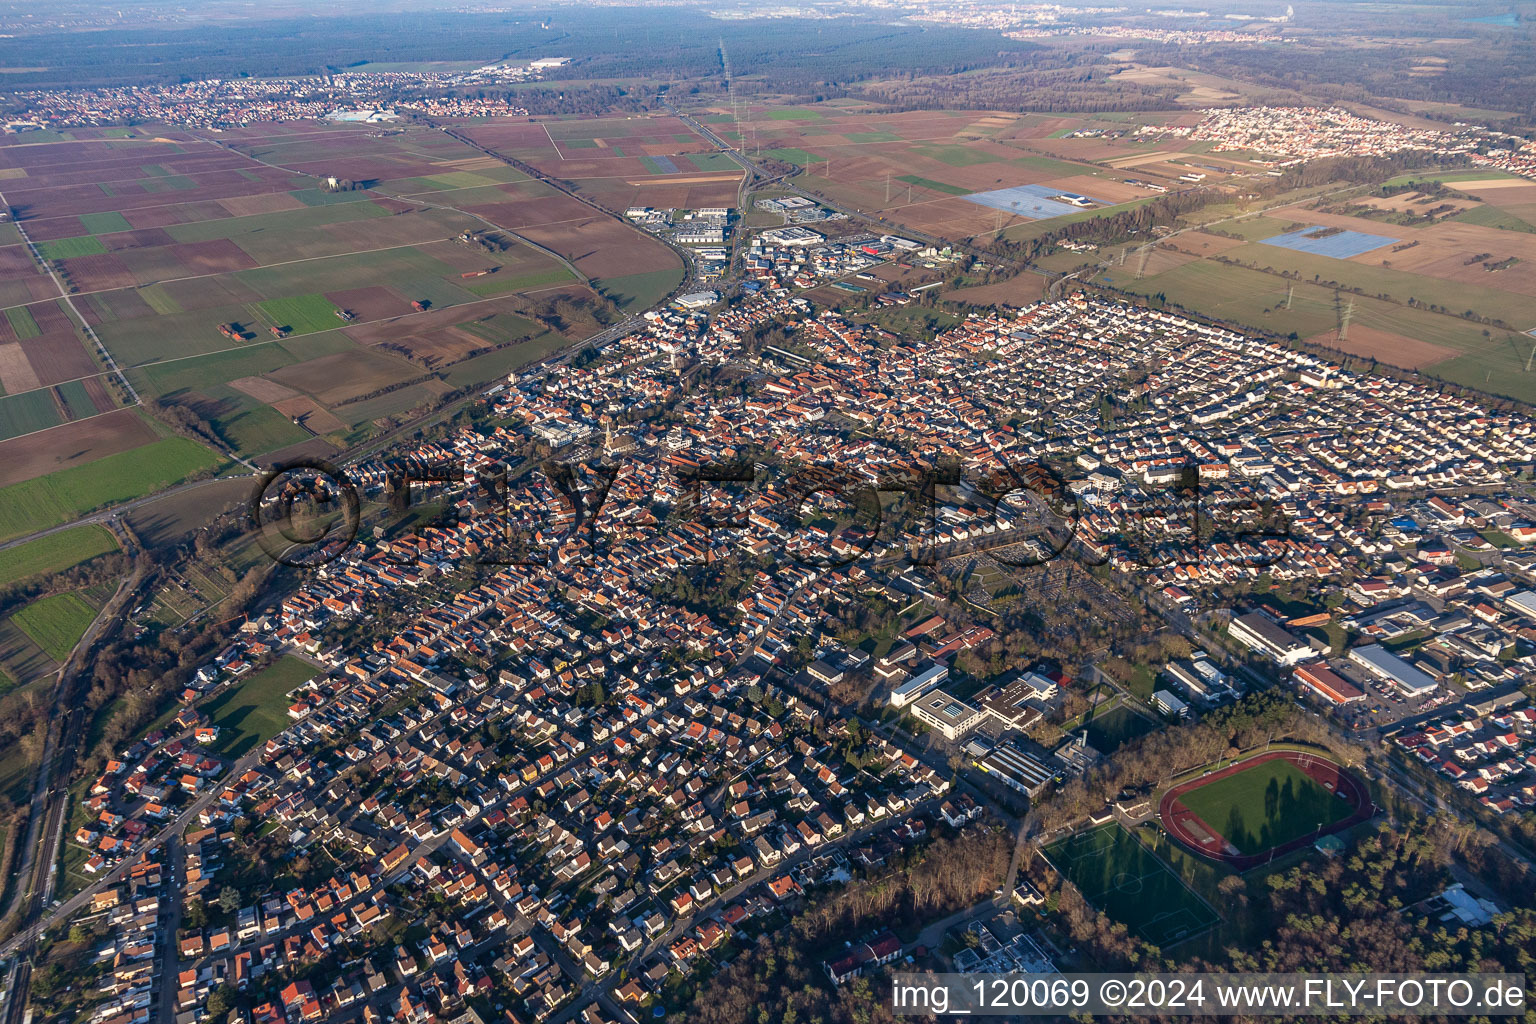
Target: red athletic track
1176, 817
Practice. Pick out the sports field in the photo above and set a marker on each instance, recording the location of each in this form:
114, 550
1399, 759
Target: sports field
1270, 804
1130, 884
1111, 728
1266, 805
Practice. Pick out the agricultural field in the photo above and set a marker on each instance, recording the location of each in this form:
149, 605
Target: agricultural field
45, 501
253, 710
1451, 295
950, 174
1130, 884
202, 260
56, 623
55, 552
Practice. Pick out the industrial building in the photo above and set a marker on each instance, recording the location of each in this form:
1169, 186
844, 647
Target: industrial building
1328, 684
1393, 670
1016, 769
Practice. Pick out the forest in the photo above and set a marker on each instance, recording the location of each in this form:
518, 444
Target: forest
607, 42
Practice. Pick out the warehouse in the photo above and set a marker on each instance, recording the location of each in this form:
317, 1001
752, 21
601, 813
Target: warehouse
1328, 684
1016, 769
1391, 669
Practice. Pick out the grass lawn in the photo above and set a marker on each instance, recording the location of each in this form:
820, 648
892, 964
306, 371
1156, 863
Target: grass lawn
1139, 679
1130, 884
55, 552
303, 314
1266, 805
69, 248
56, 623
255, 710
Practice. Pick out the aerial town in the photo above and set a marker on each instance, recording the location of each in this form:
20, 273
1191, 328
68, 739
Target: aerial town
641, 784
727, 514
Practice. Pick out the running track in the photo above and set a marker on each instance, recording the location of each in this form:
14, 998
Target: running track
1185, 826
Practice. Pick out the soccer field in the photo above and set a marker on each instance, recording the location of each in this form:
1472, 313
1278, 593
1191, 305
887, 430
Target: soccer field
1130, 884
1266, 806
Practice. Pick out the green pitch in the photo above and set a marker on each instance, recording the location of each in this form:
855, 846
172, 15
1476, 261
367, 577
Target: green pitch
1130, 884
1266, 805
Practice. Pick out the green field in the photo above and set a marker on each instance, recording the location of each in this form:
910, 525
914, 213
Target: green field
69, 248
794, 114
1050, 165
255, 709
60, 497
22, 323
276, 225
1495, 363
1470, 174
1130, 885
1493, 217
711, 161
637, 291
956, 156
102, 223
56, 623
935, 186
1266, 806
321, 197
502, 283
303, 314
26, 412
257, 428
878, 136
55, 552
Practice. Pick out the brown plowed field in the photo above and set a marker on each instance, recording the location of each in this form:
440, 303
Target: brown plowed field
263, 390
58, 356
318, 419
99, 273
374, 303
16, 373
219, 256
270, 202
72, 444
1396, 349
